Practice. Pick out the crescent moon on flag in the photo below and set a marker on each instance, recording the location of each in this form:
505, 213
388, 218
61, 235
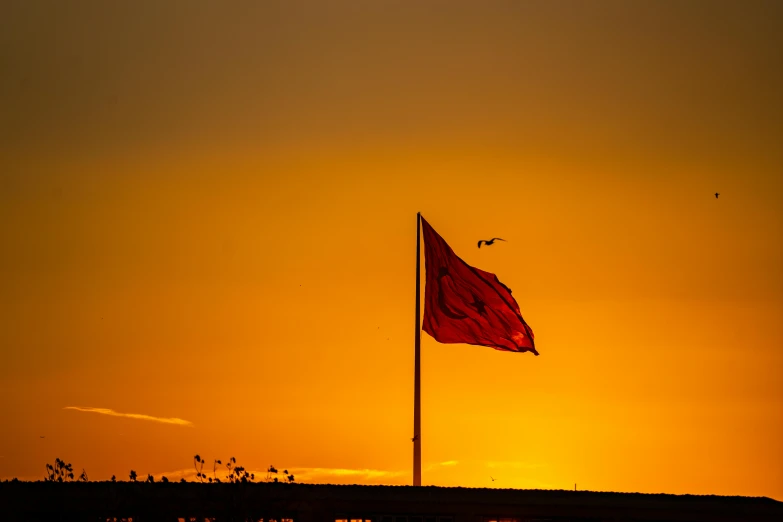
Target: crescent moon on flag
442, 298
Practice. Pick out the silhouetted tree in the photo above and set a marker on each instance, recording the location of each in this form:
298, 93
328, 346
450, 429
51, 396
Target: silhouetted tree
214, 470
238, 473
199, 465
132, 476
83, 476
164, 479
150, 478
273, 470
59, 472
183, 480
113, 478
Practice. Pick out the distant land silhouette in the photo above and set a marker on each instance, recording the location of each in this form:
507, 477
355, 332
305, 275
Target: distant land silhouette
24, 501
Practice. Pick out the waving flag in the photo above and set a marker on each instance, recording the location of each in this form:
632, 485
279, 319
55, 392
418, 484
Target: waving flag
463, 304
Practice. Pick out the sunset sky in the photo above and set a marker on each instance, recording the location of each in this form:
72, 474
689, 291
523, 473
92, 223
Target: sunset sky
208, 221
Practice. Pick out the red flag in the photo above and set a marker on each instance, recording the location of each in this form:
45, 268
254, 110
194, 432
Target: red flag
463, 304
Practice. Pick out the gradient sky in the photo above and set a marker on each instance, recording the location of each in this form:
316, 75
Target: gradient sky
207, 219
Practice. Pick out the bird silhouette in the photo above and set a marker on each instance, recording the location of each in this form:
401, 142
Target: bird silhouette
414, 438
717, 194
493, 480
488, 243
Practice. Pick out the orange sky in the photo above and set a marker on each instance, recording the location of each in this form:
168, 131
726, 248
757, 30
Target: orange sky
207, 213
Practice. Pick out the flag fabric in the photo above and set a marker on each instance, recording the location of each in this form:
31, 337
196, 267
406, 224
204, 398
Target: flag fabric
463, 304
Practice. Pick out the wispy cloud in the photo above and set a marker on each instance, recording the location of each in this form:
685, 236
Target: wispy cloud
139, 416
362, 475
188, 474
348, 476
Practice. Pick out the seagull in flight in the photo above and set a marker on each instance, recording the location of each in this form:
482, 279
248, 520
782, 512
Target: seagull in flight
488, 243
717, 194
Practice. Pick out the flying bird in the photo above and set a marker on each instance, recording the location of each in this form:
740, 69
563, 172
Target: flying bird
717, 194
493, 480
488, 243
414, 438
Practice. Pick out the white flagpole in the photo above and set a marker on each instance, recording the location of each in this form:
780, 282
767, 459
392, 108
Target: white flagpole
417, 365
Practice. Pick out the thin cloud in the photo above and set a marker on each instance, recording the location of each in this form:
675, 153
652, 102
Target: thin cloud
188, 474
347, 476
360, 476
139, 416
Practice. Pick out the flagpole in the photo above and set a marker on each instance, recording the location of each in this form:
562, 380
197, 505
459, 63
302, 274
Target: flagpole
417, 365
